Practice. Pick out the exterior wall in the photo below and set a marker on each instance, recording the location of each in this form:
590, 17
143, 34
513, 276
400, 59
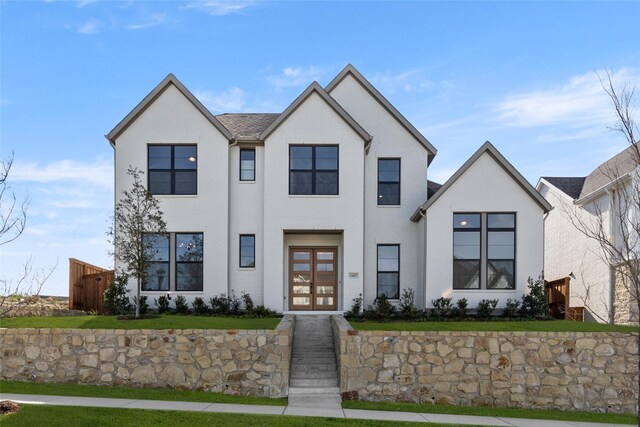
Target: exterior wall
484, 187
567, 250
314, 122
626, 299
241, 362
246, 210
387, 224
172, 119
587, 371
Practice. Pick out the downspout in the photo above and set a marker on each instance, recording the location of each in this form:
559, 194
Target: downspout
612, 274
423, 215
233, 142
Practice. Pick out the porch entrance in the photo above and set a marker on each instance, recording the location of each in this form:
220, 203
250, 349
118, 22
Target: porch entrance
313, 278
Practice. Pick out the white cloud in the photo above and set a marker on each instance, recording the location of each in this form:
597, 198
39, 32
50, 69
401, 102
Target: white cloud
296, 76
92, 26
98, 173
83, 3
580, 101
151, 21
221, 7
408, 81
231, 100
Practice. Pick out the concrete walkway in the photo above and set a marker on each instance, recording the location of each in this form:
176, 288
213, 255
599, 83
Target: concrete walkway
282, 410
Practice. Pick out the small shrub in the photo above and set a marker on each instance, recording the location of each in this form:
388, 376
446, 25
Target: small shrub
248, 302
200, 307
461, 310
262, 311
407, 304
535, 305
115, 296
486, 308
163, 304
356, 307
381, 308
511, 309
441, 308
144, 306
181, 305
234, 304
219, 304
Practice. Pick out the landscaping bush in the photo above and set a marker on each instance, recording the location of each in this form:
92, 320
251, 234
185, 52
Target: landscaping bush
461, 310
381, 308
356, 307
200, 307
219, 304
511, 309
248, 302
235, 305
260, 311
162, 302
115, 296
441, 308
144, 306
535, 305
486, 308
181, 305
408, 307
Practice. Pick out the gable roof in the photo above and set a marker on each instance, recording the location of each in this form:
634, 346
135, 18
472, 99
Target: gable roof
155, 94
619, 165
317, 89
571, 186
350, 70
432, 188
247, 124
487, 147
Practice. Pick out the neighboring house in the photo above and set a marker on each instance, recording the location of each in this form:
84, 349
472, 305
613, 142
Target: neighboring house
570, 253
309, 208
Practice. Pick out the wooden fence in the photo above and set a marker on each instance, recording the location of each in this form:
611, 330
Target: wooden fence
87, 284
558, 298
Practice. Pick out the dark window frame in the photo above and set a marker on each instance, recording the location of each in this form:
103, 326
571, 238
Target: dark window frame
313, 169
513, 260
240, 251
397, 245
172, 170
479, 260
167, 262
399, 182
252, 150
176, 262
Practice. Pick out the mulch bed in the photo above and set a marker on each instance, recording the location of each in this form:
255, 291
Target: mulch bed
8, 407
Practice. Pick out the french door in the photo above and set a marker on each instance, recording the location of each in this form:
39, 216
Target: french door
313, 278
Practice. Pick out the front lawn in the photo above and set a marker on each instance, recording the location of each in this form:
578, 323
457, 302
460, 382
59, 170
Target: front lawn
537, 414
162, 322
68, 416
495, 326
133, 393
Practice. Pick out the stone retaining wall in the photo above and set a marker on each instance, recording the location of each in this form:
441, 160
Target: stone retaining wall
246, 362
547, 370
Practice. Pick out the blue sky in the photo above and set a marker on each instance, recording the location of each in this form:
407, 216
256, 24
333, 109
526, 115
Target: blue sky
520, 74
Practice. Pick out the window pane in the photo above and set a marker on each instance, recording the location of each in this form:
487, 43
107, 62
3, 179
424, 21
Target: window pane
388, 252
247, 155
389, 170
247, 165
186, 182
501, 220
388, 284
326, 183
189, 276
301, 157
157, 246
324, 267
301, 267
466, 220
466, 274
324, 255
247, 261
300, 183
159, 182
501, 245
500, 275
247, 251
185, 157
326, 157
156, 277
188, 247
159, 157
247, 241
466, 245
388, 194
301, 255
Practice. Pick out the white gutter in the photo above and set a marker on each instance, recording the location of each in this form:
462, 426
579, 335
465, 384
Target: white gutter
602, 190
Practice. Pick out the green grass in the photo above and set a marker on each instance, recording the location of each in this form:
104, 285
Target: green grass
68, 416
497, 326
133, 393
537, 414
162, 322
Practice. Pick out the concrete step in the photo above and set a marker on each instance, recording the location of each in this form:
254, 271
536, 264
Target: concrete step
317, 375
306, 391
332, 382
314, 367
316, 353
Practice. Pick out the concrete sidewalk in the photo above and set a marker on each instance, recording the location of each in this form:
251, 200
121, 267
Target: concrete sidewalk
288, 410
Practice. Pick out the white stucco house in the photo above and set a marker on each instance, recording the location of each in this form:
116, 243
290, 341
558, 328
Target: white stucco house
606, 201
309, 208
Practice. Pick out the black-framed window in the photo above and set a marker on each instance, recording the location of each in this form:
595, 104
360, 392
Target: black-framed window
388, 182
467, 255
173, 169
501, 250
188, 252
247, 164
156, 277
247, 250
313, 169
389, 271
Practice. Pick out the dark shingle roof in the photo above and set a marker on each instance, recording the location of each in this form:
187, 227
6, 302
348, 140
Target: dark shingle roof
432, 188
617, 166
247, 124
571, 186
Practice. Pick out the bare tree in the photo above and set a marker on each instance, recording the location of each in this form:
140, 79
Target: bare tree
137, 213
24, 289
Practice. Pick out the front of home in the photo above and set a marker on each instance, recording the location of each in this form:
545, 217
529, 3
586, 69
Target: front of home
307, 209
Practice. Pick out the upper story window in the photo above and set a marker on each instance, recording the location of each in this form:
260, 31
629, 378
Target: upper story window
247, 164
313, 169
173, 169
388, 182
